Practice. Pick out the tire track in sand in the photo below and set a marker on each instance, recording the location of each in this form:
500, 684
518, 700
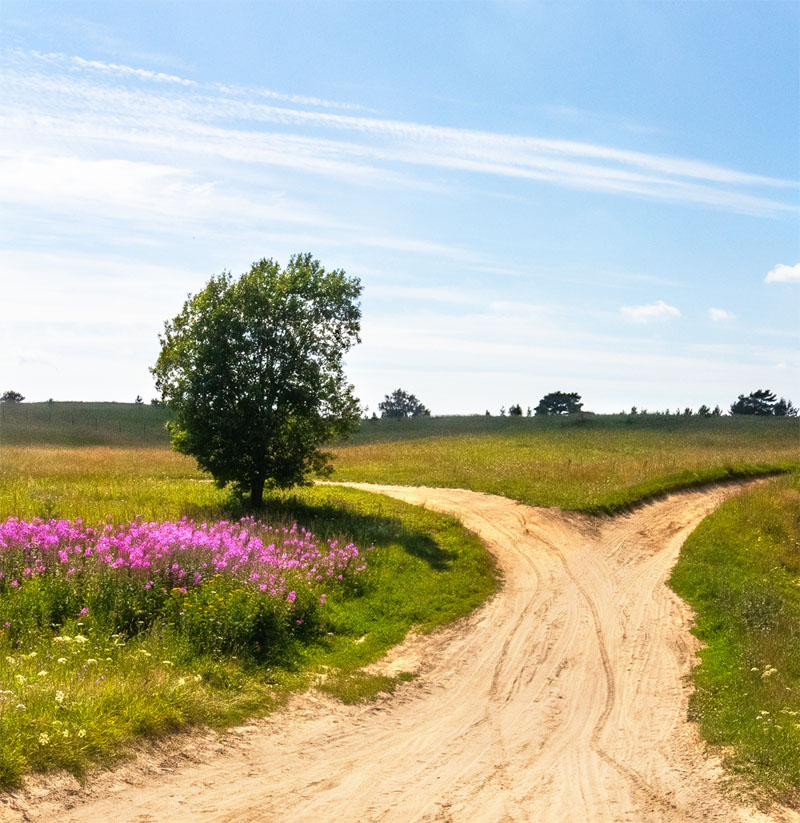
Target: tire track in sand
562, 699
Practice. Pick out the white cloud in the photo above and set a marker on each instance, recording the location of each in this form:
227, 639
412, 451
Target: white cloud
164, 111
151, 194
650, 312
128, 71
784, 274
720, 315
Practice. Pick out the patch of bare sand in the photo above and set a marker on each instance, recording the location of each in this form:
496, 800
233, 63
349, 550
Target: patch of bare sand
562, 699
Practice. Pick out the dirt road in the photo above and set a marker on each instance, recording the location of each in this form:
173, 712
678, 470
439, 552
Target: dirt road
563, 699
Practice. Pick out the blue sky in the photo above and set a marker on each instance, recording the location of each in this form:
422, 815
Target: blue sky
591, 197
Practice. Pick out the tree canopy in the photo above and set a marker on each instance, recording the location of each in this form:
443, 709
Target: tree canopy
559, 402
252, 371
400, 404
784, 408
760, 402
11, 397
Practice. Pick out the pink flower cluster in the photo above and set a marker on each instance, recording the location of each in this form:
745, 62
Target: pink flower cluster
182, 554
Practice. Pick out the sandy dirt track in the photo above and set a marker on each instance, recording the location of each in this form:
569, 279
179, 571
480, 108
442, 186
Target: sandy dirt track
563, 699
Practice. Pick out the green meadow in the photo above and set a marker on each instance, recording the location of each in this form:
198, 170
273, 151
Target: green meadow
70, 703
590, 463
112, 462
595, 464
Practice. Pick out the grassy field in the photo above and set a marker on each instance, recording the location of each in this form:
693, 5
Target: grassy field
593, 464
740, 571
597, 464
94, 461
83, 424
81, 700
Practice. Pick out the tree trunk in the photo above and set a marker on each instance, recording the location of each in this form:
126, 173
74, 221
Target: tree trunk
257, 493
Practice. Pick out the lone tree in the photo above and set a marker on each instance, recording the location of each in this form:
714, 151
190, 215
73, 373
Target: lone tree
559, 402
401, 404
252, 371
515, 410
760, 402
11, 397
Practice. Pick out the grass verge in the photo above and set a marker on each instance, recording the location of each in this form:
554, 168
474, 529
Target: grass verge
740, 572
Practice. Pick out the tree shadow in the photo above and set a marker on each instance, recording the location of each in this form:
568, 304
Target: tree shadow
334, 521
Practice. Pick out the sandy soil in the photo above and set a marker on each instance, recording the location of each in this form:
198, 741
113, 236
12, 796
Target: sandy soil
563, 699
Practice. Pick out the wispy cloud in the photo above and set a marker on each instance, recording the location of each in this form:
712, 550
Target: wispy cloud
124, 105
69, 63
137, 192
651, 312
720, 315
128, 71
783, 274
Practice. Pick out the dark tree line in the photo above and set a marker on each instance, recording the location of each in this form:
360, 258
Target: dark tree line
763, 403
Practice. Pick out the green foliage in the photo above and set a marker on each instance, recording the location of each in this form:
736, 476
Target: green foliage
784, 408
400, 405
761, 402
11, 397
515, 410
740, 572
252, 371
559, 402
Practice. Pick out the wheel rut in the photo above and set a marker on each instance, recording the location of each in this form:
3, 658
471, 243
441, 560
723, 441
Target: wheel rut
562, 699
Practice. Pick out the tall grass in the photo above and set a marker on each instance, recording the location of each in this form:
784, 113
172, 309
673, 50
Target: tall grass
92, 482
120, 675
740, 571
83, 424
592, 464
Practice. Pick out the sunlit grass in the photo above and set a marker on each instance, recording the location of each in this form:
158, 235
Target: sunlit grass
98, 696
95, 481
114, 460
740, 571
601, 464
